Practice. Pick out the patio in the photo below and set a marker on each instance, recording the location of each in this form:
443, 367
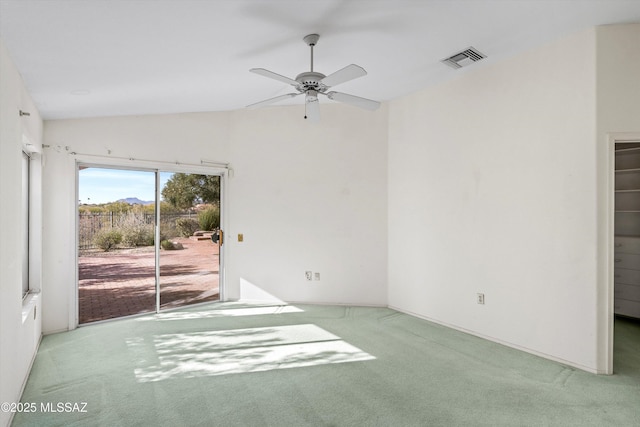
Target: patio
122, 282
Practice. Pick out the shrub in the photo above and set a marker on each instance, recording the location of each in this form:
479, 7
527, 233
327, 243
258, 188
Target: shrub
135, 230
209, 219
107, 239
142, 236
187, 226
168, 230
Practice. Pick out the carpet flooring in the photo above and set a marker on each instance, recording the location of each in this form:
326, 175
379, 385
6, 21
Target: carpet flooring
239, 364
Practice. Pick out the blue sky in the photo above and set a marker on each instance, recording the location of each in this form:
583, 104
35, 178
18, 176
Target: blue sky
101, 185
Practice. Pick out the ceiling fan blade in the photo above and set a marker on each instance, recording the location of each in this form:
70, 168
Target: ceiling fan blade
345, 74
365, 103
272, 100
312, 109
274, 76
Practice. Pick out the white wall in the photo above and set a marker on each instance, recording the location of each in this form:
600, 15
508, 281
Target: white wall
311, 197
306, 196
618, 115
20, 330
492, 190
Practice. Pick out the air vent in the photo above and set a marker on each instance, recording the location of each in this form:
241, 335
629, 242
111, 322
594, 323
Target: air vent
464, 58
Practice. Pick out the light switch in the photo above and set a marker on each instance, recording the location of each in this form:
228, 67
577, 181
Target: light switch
240, 237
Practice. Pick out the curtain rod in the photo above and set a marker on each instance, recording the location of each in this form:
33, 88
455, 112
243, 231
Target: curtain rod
203, 162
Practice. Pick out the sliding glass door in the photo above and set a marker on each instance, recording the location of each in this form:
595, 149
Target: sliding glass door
189, 257
116, 252
145, 241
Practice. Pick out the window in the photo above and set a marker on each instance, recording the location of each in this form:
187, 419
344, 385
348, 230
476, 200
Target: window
25, 223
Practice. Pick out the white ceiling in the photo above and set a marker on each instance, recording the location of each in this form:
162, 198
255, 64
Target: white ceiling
88, 58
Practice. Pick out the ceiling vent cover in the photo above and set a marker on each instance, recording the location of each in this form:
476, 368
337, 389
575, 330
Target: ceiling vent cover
464, 58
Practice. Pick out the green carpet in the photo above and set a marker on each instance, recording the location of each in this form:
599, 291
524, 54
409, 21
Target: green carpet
234, 364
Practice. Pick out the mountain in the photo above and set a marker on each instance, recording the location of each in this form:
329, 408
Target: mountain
135, 201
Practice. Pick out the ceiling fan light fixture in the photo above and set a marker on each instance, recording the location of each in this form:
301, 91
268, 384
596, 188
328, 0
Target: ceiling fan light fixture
312, 96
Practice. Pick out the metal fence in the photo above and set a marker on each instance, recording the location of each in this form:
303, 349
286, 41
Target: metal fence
89, 224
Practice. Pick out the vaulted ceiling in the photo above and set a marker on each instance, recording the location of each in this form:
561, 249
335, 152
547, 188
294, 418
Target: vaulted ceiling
87, 58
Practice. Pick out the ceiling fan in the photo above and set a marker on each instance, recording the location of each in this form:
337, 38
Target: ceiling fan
312, 84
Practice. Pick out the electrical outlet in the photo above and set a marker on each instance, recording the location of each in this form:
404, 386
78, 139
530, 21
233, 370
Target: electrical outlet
308, 275
480, 298
316, 276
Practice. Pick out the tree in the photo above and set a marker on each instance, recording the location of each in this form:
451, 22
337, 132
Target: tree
184, 190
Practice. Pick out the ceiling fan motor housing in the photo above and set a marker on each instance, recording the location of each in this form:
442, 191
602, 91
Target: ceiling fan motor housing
310, 80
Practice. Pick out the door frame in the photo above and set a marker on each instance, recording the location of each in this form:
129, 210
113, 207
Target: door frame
157, 168
606, 245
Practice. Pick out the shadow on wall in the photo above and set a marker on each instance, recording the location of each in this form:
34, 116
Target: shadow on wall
251, 292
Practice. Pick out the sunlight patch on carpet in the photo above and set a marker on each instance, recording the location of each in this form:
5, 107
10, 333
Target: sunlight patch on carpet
228, 312
190, 355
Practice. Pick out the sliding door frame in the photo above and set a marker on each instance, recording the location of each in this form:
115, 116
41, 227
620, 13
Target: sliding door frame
156, 168
156, 239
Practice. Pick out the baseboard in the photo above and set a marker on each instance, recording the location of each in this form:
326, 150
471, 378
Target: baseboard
339, 304
501, 342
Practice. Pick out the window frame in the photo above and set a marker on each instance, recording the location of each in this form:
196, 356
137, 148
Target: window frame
25, 209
